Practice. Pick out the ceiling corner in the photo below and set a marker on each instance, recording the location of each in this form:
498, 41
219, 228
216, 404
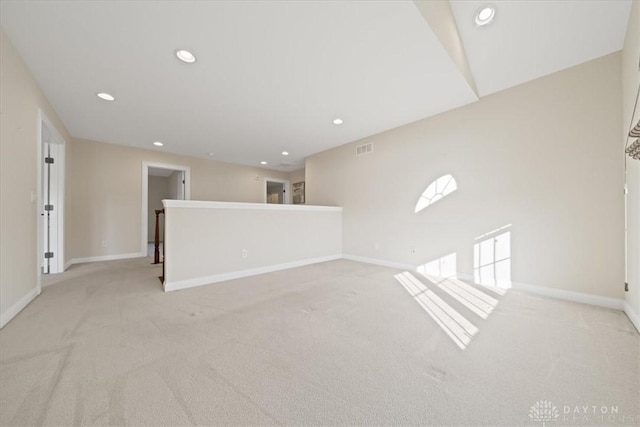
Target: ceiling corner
439, 16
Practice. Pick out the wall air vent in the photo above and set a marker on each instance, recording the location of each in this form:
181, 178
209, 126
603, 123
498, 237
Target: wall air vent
363, 149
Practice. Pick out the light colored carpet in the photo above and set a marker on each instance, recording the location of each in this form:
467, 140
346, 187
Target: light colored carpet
333, 343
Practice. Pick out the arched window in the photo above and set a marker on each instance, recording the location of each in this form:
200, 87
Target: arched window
439, 188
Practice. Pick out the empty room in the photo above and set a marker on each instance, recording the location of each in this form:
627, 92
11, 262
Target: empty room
320, 213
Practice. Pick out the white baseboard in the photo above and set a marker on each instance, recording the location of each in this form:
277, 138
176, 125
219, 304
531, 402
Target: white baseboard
632, 315
199, 281
382, 262
580, 297
18, 306
597, 300
104, 258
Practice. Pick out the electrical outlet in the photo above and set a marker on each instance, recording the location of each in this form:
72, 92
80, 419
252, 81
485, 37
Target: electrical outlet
105, 243
244, 253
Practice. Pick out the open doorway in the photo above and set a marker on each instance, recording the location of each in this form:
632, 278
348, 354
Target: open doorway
160, 182
50, 198
276, 191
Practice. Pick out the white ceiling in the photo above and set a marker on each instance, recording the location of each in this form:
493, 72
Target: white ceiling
530, 39
271, 76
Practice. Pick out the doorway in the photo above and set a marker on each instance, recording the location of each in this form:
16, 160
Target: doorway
276, 191
159, 182
50, 198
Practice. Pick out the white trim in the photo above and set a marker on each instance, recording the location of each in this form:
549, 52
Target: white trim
385, 263
145, 195
106, 258
59, 202
39, 225
632, 315
579, 297
235, 205
18, 306
199, 281
287, 188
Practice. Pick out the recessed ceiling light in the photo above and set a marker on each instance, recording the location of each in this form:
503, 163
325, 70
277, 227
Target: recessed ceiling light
285, 153
158, 144
485, 15
337, 121
185, 56
263, 163
106, 96
212, 154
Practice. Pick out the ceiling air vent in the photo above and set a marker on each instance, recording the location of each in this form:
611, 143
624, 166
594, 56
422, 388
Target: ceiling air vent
363, 149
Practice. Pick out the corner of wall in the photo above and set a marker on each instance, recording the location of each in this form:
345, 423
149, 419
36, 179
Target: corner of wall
633, 316
22, 100
630, 88
16, 308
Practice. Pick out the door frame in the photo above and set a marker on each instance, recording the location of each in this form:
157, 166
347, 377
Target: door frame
287, 188
58, 265
145, 195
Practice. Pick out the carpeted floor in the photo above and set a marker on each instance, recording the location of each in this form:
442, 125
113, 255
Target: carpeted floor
333, 343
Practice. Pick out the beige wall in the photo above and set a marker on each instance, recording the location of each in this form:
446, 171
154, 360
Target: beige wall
20, 101
630, 83
296, 176
104, 193
158, 191
206, 240
543, 156
173, 183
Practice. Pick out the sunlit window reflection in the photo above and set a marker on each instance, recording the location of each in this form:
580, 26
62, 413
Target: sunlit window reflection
439, 188
475, 300
454, 324
442, 267
492, 261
